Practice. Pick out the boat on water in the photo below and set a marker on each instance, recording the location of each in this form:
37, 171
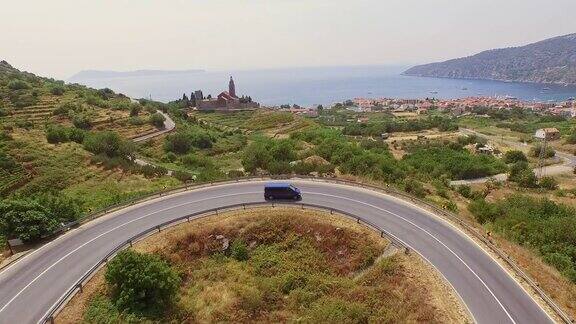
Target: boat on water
464, 88
434, 92
545, 89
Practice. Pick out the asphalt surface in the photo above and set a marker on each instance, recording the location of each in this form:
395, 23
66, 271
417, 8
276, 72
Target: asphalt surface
29, 287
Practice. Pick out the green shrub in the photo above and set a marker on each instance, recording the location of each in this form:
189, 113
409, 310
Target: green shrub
108, 143
234, 174
7, 163
76, 135
483, 211
178, 143
548, 183
183, 176
195, 161
514, 156
141, 282
82, 122
548, 152
415, 188
135, 110
169, 157
18, 85
239, 250
30, 219
57, 90
521, 173
66, 108
56, 134
157, 120
539, 224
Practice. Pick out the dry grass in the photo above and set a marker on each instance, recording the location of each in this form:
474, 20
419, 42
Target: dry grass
229, 291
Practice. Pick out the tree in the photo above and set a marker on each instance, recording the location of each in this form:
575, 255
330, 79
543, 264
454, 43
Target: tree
18, 85
157, 120
57, 90
514, 156
135, 110
30, 219
255, 156
141, 282
521, 173
109, 144
56, 134
82, 122
178, 143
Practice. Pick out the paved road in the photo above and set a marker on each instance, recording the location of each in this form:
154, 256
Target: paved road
567, 166
31, 286
169, 125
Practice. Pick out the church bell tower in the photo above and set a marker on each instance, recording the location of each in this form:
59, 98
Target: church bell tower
232, 88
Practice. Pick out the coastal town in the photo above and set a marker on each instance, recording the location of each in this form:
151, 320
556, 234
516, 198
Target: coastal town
458, 107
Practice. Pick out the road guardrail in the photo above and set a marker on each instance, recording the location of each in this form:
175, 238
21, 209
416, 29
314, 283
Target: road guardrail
77, 287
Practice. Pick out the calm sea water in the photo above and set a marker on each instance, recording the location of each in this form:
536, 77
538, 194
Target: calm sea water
326, 85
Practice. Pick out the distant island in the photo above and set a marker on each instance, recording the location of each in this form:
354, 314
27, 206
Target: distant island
551, 61
96, 74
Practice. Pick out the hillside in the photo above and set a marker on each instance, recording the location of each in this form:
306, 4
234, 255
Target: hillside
67, 142
551, 61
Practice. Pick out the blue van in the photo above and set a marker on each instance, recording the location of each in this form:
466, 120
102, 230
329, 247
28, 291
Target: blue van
275, 190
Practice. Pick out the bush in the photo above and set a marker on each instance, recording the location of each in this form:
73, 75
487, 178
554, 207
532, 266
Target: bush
239, 250
30, 219
109, 144
157, 120
548, 152
183, 176
234, 174
514, 156
483, 211
76, 135
82, 122
548, 183
135, 110
415, 188
539, 224
57, 90
195, 161
66, 108
141, 282
56, 134
18, 85
521, 173
178, 143
7, 163
169, 157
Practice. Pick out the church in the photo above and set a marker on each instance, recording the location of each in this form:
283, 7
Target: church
226, 100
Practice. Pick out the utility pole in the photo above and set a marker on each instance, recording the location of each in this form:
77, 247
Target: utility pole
542, 156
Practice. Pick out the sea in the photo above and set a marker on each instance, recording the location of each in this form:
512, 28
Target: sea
321, 85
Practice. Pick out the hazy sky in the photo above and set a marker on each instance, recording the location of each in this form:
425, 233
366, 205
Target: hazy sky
61, 37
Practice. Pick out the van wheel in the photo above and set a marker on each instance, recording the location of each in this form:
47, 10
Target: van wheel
270, 197
297, 197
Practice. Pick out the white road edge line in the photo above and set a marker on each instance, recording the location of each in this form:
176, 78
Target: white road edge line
436, 239
462, 233
107, 232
